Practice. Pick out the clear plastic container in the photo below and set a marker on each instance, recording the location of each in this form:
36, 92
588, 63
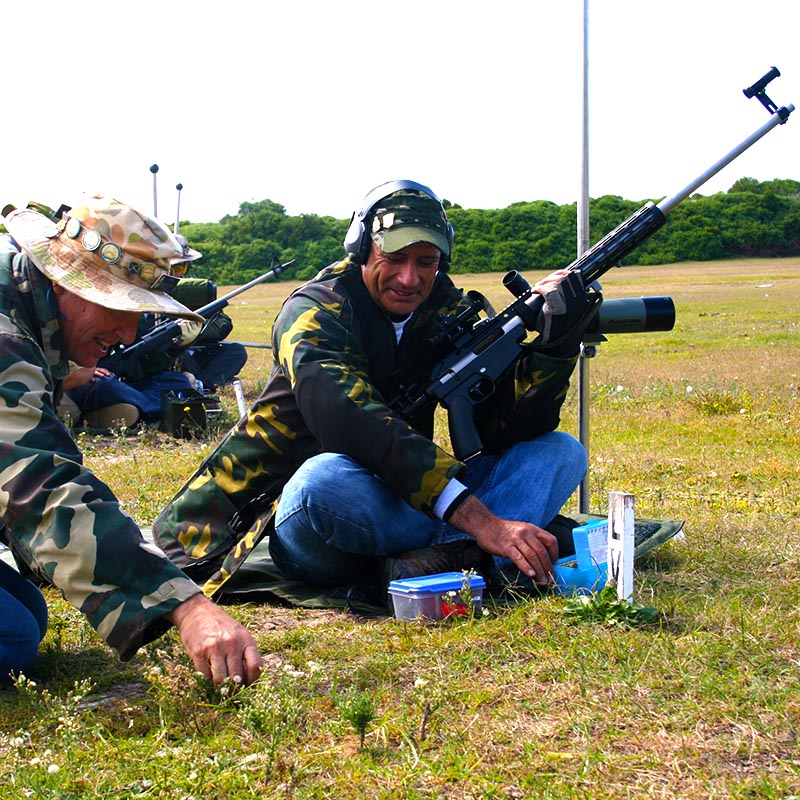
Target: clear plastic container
437, 596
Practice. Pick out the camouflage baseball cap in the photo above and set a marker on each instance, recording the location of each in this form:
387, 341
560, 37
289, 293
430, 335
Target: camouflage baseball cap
104, 251
408, 217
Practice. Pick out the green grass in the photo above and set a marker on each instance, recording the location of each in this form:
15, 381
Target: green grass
699, 423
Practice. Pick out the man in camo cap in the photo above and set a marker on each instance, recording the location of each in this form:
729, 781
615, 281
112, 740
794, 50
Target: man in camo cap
72, 285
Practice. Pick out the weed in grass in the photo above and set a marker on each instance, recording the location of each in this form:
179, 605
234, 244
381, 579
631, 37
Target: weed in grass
58, 721
462, 602
357, 707
606, 608
712, 402
272, 713
430, 696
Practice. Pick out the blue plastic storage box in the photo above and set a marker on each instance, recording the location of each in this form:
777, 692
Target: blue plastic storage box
587, 570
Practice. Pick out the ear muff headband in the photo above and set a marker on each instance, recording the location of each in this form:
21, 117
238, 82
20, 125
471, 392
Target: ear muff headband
357, 241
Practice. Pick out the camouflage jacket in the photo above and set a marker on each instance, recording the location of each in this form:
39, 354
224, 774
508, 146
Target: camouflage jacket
337, 369
58, 518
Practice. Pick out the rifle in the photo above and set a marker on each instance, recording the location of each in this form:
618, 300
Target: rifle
481, 353
169, 332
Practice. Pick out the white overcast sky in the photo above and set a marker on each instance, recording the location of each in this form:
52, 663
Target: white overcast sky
312, 103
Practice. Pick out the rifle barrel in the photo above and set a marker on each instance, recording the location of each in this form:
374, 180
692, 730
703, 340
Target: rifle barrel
249, 285
778, 118
626, 237
254, 344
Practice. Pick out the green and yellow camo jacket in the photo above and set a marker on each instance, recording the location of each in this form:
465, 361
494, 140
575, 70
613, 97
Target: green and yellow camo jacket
58, 518
337, 371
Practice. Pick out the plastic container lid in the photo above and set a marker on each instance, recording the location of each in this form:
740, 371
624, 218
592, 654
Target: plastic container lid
441, 582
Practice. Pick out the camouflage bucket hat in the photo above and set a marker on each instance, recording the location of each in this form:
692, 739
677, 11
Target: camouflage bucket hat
409, 217
105, 252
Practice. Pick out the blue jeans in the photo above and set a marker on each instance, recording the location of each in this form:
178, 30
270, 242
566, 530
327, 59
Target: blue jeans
23, 621
145, 394
335, 519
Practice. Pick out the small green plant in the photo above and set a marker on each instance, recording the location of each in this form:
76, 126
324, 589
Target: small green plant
605, 607
358, 708
272, 712
431, 695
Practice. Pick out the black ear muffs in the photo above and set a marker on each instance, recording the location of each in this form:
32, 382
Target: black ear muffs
357, 241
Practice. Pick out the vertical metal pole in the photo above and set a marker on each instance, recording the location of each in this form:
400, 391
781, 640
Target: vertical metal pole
178, 212
583, 245
583, 198
154, 170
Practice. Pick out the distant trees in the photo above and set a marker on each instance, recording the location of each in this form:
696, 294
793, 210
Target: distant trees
753, 219
784, 186
241, 247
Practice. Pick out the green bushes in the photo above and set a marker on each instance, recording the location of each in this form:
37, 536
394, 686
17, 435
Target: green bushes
752, 220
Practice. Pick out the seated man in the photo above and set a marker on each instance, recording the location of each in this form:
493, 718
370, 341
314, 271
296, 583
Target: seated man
336, 477
210, 361
102, 400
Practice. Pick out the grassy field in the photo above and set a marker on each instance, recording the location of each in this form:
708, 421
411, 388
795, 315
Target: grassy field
699, 423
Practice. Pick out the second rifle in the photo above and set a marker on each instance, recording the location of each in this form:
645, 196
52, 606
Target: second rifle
167, 333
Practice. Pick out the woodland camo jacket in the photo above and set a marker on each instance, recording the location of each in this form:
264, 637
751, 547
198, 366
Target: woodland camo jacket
60, 521
337, 370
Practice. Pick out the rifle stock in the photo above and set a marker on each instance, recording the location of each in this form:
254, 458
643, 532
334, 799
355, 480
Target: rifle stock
483, 352
122, 360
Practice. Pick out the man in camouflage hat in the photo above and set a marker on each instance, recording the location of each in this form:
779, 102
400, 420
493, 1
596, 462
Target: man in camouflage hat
336, 477
75, 288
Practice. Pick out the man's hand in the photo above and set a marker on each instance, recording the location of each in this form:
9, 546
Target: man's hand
190, 330
532, 549
83, 375
567, 311
218, 645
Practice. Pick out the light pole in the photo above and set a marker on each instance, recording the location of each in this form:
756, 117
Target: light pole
587, 350
154, 170
178, 212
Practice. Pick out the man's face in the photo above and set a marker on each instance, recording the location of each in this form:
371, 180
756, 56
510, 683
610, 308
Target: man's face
89, 330
399, 282
179, 270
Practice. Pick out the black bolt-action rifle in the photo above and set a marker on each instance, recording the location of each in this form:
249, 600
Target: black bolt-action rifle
479, 354
122, 359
